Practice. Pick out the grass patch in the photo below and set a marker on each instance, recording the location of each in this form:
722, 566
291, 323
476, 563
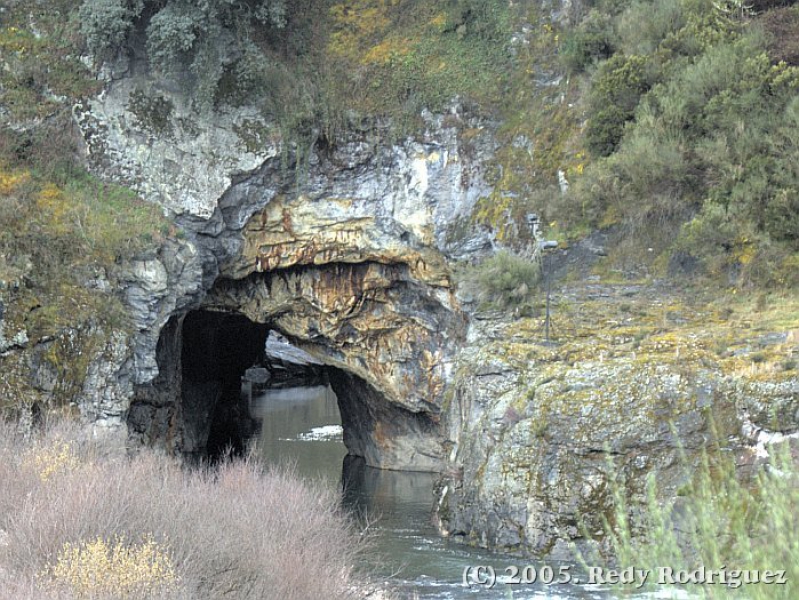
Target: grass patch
539, 136
405, 56
103, 221
63, 236
61, 227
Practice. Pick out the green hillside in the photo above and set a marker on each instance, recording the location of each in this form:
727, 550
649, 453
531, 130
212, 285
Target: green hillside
675, 122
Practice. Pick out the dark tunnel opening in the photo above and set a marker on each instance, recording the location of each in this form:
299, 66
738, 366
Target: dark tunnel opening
216, 350
197, 405
228, 363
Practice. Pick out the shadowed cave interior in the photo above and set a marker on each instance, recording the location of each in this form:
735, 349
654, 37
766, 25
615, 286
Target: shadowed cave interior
196, 406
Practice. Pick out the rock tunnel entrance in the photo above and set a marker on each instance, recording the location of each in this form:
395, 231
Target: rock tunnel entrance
196, 406
383, 329
216, 349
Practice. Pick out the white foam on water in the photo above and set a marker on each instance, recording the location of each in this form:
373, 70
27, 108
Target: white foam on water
325, 433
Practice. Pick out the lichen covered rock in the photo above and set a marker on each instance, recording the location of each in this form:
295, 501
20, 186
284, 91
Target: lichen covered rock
543, 434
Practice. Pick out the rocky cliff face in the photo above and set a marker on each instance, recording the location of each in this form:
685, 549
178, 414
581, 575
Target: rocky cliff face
348, 253
635, 384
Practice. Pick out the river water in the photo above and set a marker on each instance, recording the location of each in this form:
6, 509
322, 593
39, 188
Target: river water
302, 426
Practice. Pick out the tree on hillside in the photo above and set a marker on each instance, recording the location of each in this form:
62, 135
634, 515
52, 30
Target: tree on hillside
199, 37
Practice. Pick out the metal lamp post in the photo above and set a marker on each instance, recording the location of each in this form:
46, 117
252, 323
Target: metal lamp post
541, 246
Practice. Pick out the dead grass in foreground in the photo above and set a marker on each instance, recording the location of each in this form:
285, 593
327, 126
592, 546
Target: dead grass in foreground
75, 524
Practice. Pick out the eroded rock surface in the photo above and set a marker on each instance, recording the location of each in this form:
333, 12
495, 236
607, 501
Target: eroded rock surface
346, 253
375, 322
349, 254
635, 384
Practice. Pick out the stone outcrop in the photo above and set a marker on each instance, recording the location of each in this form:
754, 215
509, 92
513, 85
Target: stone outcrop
385, 329
279, 351
348, 253
144, 135
543, 435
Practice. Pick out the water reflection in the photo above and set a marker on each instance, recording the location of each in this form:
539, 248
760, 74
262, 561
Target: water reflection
286, 420
396, 508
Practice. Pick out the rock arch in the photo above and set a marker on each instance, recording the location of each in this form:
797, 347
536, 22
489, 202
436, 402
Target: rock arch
384, 323
346, 254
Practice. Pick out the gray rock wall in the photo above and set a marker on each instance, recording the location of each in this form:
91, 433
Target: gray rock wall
252, 218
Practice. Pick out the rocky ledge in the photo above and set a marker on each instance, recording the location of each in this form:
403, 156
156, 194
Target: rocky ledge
636, 380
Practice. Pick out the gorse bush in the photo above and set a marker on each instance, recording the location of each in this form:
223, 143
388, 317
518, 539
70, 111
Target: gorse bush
114, 568
644, 26
53, 457
618, 87
593, 39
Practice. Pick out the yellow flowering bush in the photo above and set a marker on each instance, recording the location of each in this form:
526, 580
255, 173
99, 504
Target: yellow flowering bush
11, 180
122, 569
56, 457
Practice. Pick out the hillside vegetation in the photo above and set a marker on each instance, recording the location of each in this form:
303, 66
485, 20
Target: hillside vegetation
692, 127
674, 122
63, 233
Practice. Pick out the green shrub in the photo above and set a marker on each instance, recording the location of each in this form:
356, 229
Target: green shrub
592, 40
172, 34
503, 280
106, 23
646, 24
700, 127
719, 522
618, 86
183, 37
